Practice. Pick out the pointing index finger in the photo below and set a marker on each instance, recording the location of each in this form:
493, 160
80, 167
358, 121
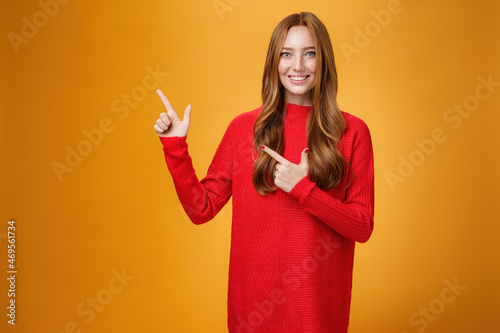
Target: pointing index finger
274, 155
166, 103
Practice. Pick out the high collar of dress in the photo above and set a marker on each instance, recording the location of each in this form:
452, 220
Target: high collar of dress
294, 108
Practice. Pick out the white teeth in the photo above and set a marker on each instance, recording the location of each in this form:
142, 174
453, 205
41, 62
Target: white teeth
298, 78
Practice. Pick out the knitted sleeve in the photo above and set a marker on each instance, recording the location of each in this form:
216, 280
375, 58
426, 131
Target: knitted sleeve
353, 217
201, 200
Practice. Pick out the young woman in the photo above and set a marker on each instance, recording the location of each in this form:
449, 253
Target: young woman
301, 175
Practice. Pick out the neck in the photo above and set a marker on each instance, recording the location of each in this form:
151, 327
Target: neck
302, 100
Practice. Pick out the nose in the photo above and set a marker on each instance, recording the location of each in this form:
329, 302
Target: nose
299, 64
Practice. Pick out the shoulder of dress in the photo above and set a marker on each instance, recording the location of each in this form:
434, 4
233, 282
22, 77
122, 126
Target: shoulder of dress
354, 123
245, 119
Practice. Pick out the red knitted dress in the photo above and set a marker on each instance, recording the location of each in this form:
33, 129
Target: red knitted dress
291, 253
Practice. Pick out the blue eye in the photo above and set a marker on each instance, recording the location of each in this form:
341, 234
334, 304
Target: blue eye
285, 54
311, 53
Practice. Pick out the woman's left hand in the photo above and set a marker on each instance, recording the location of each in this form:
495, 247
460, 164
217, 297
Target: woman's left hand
287, 174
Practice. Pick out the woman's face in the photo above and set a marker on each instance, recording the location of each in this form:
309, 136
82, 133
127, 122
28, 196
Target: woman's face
297, 66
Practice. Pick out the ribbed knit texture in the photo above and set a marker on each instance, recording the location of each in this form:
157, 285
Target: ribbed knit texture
291, 253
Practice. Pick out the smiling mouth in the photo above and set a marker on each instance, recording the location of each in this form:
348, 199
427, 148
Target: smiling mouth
298, 78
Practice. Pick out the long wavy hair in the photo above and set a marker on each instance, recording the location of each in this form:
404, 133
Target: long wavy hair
327, 166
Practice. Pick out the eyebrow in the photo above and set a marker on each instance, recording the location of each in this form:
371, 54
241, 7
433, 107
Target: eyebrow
305, 48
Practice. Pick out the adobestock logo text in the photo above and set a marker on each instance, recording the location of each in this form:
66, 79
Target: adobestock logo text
31, 26
121, 108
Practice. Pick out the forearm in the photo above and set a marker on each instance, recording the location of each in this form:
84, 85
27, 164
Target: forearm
201, 200
351, 218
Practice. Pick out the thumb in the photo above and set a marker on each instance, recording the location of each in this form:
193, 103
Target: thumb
303, 157
187, 114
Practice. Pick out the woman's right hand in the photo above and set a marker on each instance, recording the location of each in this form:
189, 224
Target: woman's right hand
169, 123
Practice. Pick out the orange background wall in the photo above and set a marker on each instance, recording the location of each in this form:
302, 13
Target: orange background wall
85, 72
